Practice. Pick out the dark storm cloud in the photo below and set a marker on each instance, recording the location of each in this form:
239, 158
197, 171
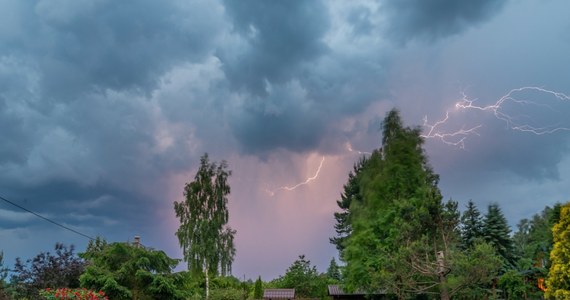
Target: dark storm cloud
80, 47
292, 84
432, 19
284, 119
69, 203
278, 36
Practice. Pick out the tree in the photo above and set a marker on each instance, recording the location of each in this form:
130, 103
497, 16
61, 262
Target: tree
125, 271
473, 271
513, 285
351, 193
496, 232
304, 278
206, 240
258, 290
558, 281
400, 217
228, 288
533, 243
3, 275
471, 225
333, 271
47, 270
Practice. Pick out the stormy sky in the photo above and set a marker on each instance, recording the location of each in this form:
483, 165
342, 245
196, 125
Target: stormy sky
106, 107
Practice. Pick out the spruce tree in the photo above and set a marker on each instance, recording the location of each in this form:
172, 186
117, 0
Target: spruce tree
471, 226
333, 271
351, 193
496, 231
558, 282
258, 289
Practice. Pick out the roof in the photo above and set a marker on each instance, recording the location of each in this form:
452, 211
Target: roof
279, 293
335, 290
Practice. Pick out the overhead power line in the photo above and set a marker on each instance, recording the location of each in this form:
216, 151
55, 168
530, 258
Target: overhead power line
46, 219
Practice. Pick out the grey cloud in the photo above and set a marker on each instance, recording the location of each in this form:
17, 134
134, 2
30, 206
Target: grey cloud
93, 46
66, 201
284, 119
279, 37
433, 19
359, 18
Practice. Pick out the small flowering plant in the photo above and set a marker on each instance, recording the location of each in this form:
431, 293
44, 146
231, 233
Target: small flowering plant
72, 294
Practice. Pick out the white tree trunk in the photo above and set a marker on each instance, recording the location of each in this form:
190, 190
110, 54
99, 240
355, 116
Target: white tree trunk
207, 282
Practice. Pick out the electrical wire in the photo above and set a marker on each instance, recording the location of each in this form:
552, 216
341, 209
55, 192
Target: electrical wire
46, 219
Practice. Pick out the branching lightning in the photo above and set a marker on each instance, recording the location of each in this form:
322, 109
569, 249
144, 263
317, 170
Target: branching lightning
307, 181
458, 137
314, 177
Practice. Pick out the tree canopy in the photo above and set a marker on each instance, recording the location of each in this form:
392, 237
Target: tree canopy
399, 214
125, 271
206, 240
47, 270
558, 282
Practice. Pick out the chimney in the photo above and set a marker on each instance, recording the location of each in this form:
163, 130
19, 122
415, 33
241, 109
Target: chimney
137, 241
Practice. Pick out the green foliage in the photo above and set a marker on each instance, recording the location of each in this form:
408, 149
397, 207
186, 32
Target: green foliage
471, 225
207, 242
513, 285
124, 271
305, 279
558, 282
258, 290
533, 240
227, 294
399, 218
351, 193
47, 270
333, 272
473, 271
3, 276
496, 231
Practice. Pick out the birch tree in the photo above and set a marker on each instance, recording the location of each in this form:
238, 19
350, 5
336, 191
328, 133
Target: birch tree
206, 240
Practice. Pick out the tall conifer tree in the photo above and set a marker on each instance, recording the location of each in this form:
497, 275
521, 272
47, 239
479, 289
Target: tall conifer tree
399, 215
471, 225
350, 194
496, 231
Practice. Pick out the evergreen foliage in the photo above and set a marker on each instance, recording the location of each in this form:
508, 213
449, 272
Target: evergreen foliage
304, 278
473, 271
125, 271
558, 282
258, 290
333, 271
399, 219
3, 276
471, 225
496, 231
351, 193
206, 240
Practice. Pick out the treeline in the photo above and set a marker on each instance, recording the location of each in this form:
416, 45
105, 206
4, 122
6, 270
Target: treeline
129, 271
397, 236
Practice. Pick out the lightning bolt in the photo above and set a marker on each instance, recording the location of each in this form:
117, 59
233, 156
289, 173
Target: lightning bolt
458, 137
307, 181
